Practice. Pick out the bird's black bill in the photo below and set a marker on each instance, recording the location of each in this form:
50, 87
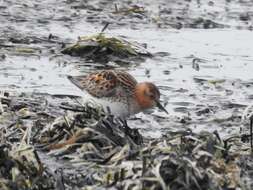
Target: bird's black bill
160, 106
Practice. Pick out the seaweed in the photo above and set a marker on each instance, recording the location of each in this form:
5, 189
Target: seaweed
79, 146
101, 48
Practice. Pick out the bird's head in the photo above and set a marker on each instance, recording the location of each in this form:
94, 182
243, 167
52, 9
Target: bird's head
148, 96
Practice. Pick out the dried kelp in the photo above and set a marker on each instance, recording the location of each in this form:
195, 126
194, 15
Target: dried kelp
104, 48
135, 9
89, 135
79, 146
21, 168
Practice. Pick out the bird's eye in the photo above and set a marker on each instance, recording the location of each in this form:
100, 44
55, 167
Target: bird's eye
152, 96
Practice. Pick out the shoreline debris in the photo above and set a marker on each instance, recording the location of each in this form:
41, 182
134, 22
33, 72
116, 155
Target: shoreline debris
103, 48
87, 149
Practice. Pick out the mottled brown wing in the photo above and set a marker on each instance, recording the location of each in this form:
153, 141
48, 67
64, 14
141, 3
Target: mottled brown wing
126, 81
105, 83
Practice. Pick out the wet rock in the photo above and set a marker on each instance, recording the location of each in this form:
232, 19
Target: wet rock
203, 111
244, 17
206, 24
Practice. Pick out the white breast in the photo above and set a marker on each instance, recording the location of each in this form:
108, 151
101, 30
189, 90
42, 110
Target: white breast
115, 108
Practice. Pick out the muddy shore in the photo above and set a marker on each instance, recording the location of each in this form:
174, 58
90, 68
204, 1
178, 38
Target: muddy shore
199, 54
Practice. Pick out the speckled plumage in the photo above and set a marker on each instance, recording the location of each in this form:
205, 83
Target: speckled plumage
117, 90
106, 83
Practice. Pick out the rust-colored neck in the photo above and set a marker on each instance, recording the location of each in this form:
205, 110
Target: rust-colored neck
141, 97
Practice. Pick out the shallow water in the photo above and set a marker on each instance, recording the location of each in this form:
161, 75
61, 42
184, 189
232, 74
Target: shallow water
210, 96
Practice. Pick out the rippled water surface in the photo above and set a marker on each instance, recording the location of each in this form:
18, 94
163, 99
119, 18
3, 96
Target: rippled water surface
205, 75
